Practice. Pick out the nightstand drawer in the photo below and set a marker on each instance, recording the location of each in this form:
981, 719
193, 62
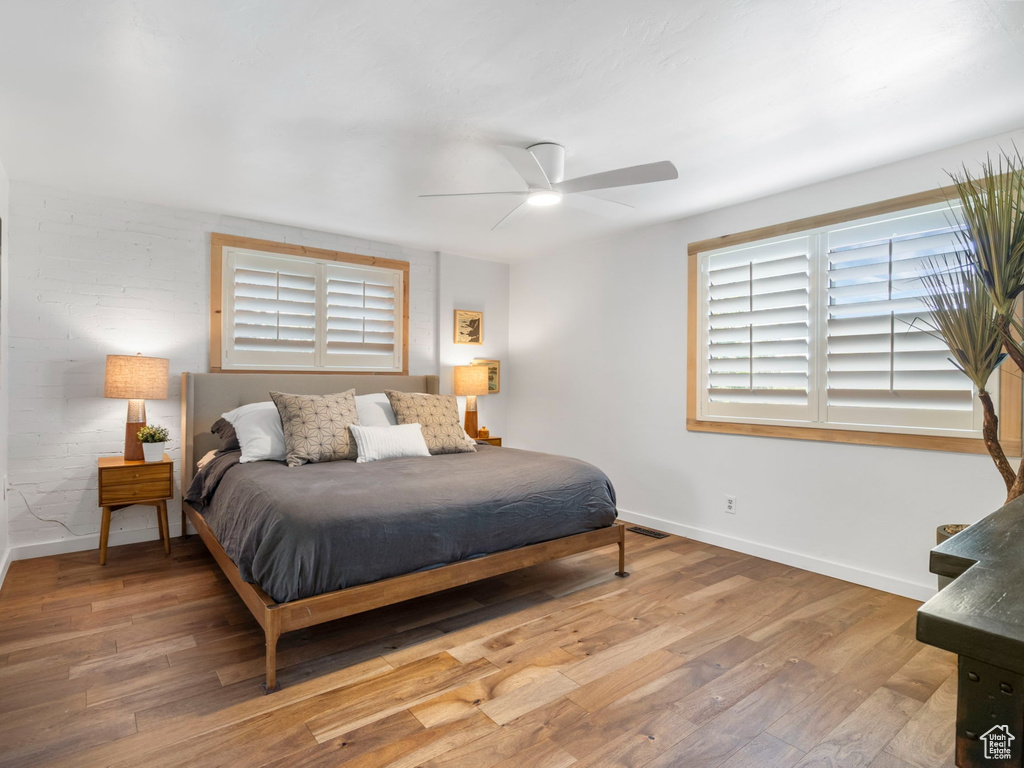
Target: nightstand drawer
135, 474
491, 440
126, 494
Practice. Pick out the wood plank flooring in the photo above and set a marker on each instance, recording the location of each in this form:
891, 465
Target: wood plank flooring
703, 657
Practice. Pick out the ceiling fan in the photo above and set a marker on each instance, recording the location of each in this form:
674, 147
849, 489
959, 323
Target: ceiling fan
542, 167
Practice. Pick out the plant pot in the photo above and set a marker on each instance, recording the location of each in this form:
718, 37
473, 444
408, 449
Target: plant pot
153, 451
941, 534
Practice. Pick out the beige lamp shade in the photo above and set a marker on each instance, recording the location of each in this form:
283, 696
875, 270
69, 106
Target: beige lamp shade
136, 377
471, 380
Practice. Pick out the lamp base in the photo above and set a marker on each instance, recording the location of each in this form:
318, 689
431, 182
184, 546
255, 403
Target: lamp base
136, 421
471, 423
132, 446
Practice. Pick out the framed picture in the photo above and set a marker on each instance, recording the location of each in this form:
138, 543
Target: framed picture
493, 374
469, 327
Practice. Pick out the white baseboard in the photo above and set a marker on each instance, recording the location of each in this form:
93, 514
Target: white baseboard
5, 563
849, 573
90, 541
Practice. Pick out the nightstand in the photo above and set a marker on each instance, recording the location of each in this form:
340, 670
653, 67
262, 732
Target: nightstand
491, 440
124, 483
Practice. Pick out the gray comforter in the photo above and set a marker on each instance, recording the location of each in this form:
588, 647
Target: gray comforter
302, 531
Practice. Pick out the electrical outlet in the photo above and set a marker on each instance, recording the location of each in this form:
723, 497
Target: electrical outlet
730, 505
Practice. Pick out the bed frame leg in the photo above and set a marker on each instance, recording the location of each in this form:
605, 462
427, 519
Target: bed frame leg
272, 631
622, 572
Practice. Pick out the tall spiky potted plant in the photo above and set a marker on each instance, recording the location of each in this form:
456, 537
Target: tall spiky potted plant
964, 317
974, 294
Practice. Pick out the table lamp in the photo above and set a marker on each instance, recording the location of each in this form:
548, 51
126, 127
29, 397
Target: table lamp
471, 380
135, 379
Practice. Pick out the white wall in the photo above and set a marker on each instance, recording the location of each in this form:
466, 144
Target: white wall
5, 223
597, 370
94, 276
481, 286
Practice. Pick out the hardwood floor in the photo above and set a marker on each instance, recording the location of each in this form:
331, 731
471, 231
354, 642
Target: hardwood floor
703, 657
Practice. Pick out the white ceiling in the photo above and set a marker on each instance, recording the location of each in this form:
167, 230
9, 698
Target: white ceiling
336, 115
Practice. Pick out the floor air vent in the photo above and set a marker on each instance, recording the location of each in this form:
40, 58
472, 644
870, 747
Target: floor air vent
647, 532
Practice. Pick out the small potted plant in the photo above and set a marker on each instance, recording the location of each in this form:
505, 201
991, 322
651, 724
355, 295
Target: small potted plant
153, 439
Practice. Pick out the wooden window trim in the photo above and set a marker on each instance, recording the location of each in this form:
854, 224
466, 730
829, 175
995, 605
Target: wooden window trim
1010, 389
220, 241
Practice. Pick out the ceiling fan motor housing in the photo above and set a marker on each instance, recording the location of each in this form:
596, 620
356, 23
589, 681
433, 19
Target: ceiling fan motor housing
551, 158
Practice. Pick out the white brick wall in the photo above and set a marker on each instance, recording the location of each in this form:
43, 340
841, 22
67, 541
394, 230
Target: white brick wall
92, 276
5, 227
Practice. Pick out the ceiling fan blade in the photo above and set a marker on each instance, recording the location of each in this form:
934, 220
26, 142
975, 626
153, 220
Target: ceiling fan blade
599, 206
515, 213
588, 196
526, 165
474, 194
621, 177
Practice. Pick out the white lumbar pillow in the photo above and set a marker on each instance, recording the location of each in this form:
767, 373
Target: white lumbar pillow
375, 410
259, 430
377, 443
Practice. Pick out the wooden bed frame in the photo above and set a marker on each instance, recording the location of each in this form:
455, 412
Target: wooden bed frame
206, 396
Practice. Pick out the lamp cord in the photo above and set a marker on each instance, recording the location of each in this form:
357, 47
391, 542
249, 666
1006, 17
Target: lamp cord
45, 519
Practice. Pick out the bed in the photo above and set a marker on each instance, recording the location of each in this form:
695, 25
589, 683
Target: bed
469, 516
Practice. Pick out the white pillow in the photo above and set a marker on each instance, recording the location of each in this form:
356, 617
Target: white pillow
375, 410
259, 430
377, 443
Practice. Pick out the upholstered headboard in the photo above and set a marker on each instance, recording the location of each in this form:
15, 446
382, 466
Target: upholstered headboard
205, 396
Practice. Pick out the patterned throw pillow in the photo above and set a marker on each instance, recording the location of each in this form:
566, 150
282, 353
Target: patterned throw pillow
437, 415
316, 426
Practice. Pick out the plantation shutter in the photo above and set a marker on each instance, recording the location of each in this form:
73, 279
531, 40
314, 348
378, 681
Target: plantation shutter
273, 308
299, 313
757, 321
885, 365
362, 321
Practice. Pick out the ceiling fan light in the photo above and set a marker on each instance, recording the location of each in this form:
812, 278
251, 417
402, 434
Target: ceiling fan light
543, 197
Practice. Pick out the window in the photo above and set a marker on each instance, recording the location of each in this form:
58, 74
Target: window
277, 306
817, 330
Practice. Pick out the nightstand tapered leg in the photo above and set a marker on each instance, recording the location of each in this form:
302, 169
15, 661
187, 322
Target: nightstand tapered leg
104, 533
165, 536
